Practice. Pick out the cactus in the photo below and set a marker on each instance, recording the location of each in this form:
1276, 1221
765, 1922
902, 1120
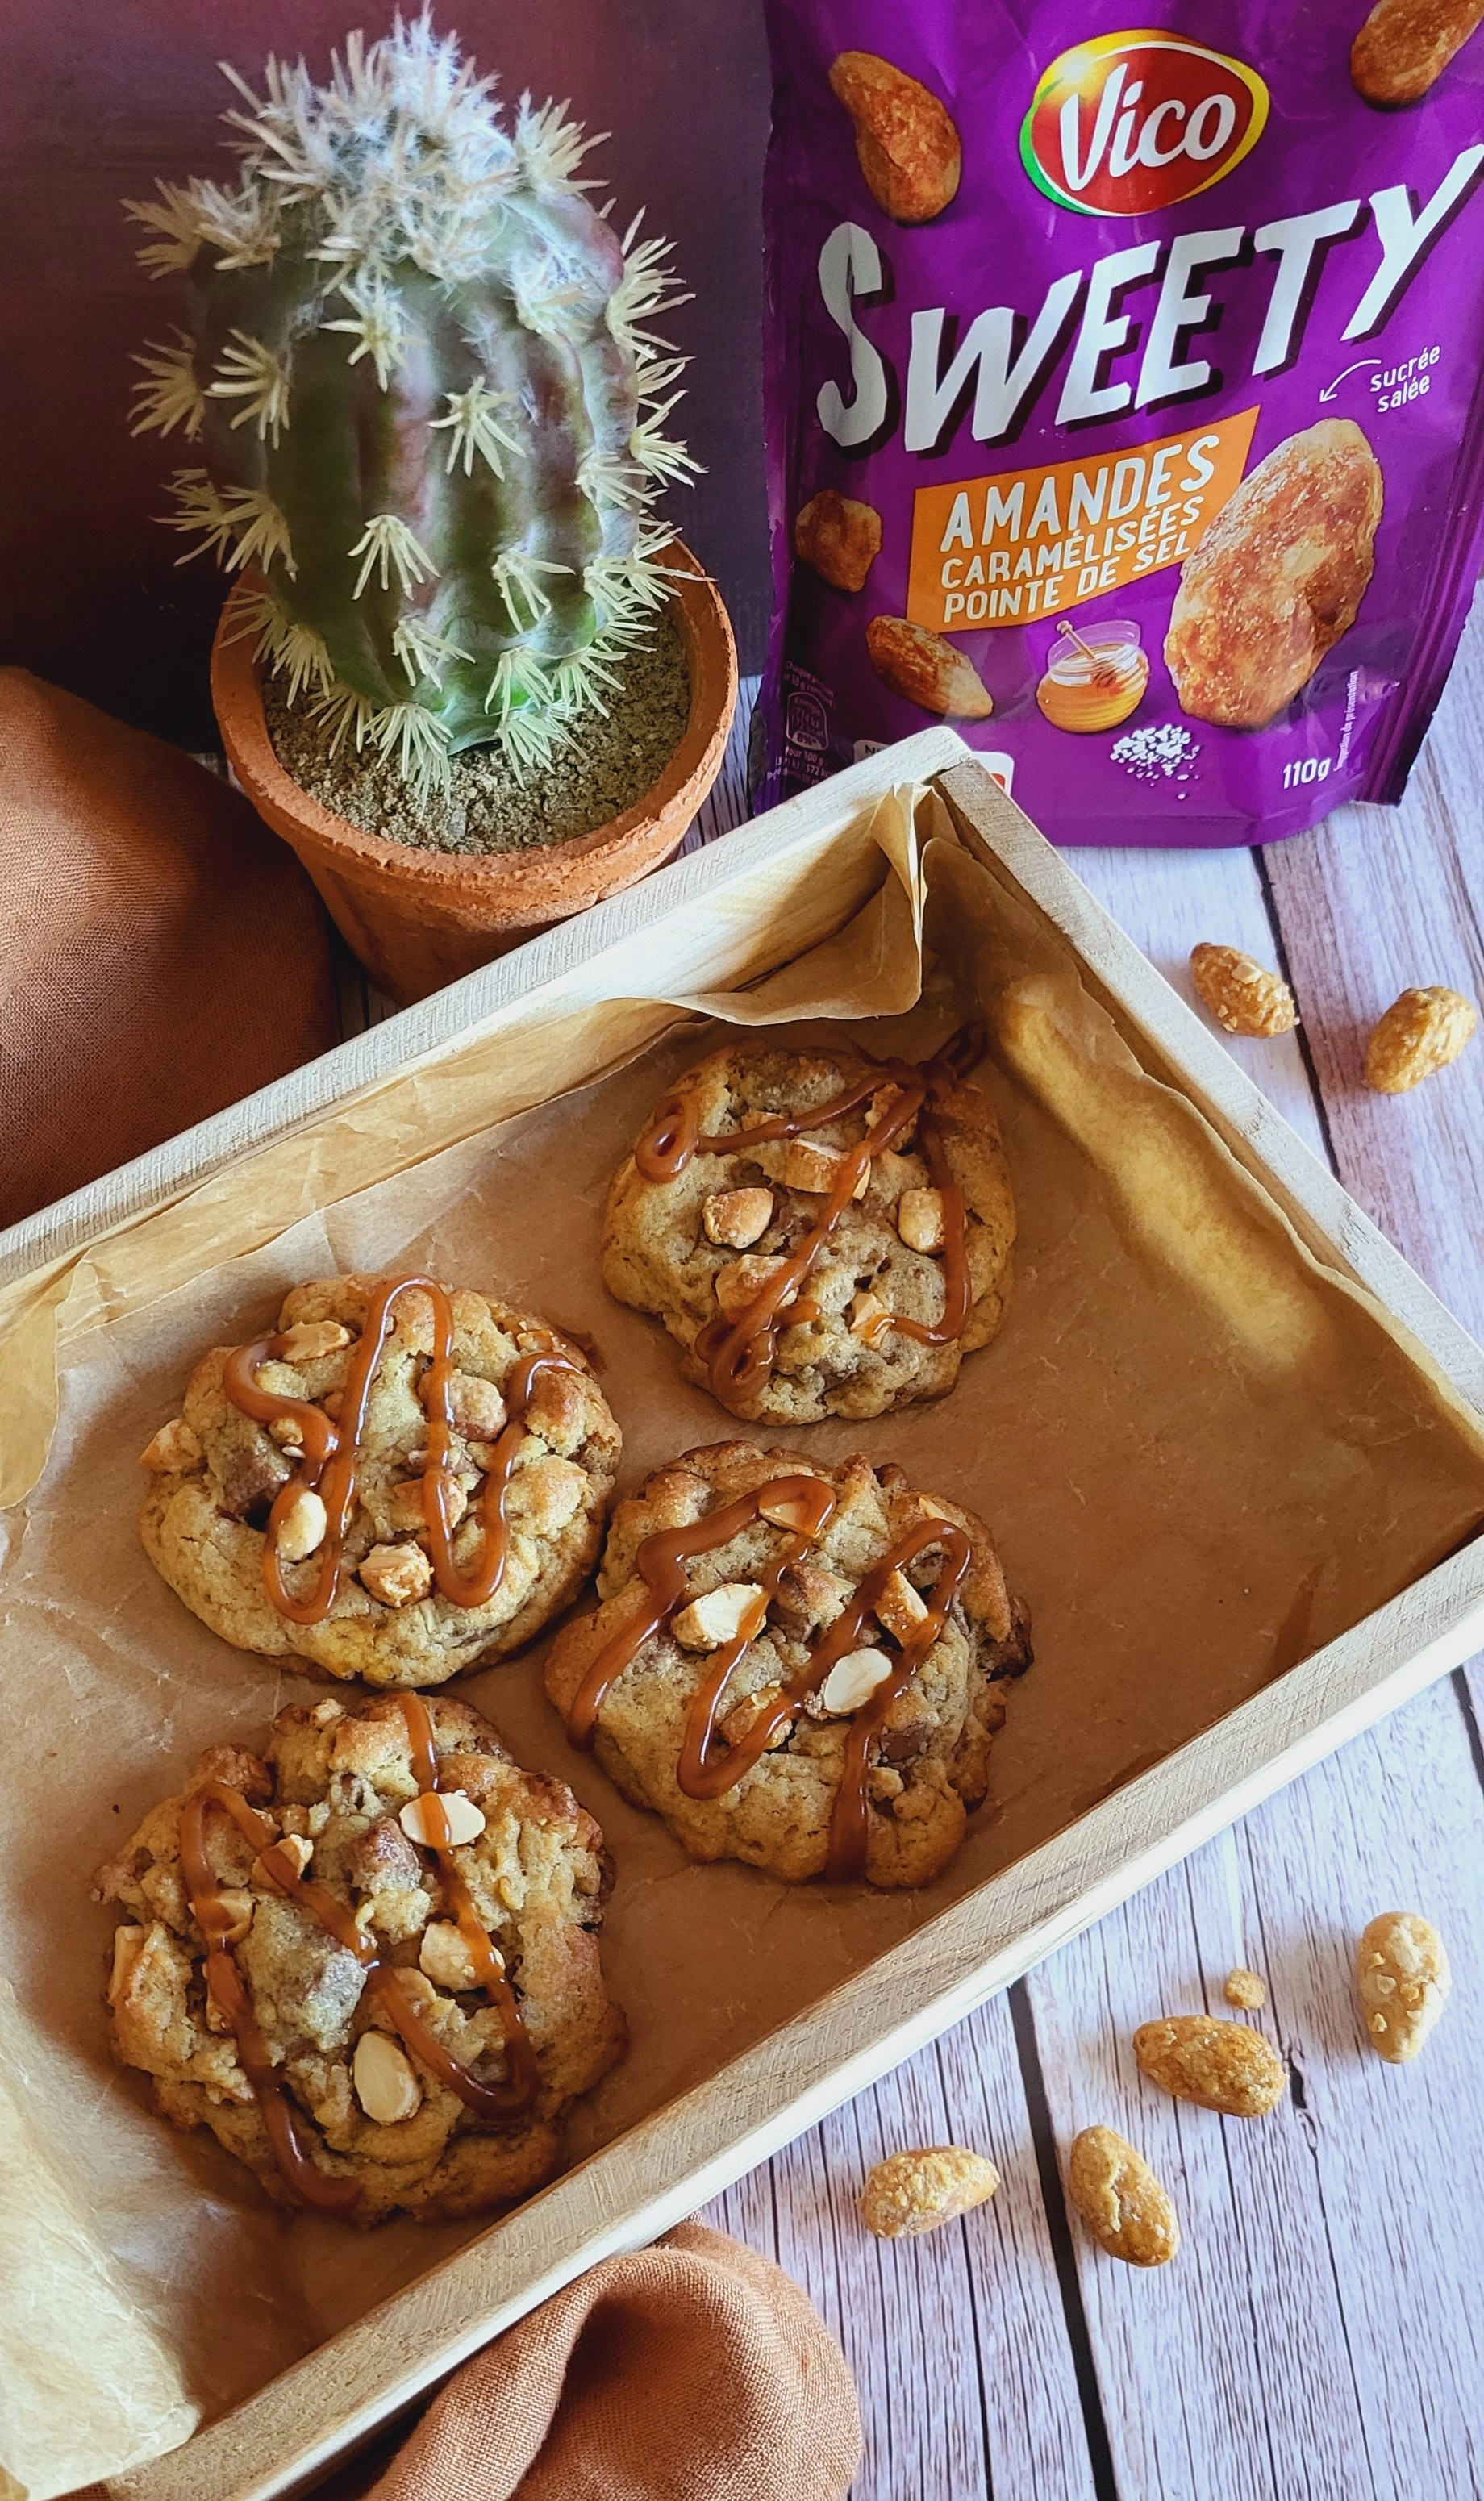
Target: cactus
430, 406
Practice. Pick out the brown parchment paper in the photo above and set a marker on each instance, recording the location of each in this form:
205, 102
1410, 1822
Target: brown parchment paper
1203, 1455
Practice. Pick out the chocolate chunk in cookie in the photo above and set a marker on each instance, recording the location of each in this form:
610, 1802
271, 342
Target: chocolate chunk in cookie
399, 1485
367, 1960
798, 1666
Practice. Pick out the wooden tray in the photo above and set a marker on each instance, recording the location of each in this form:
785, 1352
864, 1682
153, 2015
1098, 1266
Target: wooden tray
721, 917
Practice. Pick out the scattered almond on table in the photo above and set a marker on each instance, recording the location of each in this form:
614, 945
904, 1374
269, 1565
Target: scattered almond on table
1240, 993
1421, 1032
1402, 1979
1122, 2203
1207, 2059
916, 2190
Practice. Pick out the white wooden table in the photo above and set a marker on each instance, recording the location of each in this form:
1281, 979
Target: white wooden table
1321, 2335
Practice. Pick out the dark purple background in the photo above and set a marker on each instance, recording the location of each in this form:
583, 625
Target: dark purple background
101, 96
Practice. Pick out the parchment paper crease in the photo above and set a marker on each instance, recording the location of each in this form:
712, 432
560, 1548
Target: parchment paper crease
1203, 1455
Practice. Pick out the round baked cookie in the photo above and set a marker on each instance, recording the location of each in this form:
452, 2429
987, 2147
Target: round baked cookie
323, 1818
237, 1500
798, 1666
697, 1249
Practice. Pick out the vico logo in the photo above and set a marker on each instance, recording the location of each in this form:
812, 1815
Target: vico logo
1128, 123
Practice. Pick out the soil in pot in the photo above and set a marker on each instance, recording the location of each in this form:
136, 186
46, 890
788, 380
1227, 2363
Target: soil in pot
605, 767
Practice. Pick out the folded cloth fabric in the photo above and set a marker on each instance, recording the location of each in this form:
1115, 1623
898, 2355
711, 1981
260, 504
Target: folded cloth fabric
161, 953
694, 2371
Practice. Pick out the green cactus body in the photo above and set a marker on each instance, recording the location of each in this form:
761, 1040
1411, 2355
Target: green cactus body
427, 404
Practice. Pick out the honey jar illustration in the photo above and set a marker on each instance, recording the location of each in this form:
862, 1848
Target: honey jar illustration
1095, 676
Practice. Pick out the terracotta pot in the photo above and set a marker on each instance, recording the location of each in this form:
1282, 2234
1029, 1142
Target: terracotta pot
418, 918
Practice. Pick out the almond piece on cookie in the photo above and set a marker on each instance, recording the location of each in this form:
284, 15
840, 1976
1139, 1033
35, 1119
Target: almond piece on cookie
719, 1616
817, 1169
175, 1450
900, 1608
853, 1680
869, 1316
740, 1282
738, 1217
444, 1956
920, 1218
309, 1341
442, 1820
302, 1526
386, 2086
398, 1575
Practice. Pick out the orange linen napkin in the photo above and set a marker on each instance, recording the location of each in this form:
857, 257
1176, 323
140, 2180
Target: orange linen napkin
694, 2371
161, 953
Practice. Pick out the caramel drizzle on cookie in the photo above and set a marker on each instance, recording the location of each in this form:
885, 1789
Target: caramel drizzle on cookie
332, 1452
707, 1769
497, 2104
739, 1354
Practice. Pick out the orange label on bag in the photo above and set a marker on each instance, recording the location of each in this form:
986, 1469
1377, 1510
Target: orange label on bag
1029, 542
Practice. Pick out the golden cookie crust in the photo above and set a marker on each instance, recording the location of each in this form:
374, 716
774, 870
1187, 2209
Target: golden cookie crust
336, 1774
656, 1257
1277, 578
933, 1754
203, 1524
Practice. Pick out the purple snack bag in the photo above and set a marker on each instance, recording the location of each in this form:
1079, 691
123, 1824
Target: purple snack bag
1124, 398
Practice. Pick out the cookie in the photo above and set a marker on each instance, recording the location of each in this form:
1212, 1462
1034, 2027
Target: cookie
825, 1234
367, 1960
798, 1666
1277, 578
398, 1486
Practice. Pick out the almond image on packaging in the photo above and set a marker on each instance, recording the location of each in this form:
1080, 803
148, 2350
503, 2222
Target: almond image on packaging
1277, 578
1404, 46
927, 669
906, 139
838, 539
